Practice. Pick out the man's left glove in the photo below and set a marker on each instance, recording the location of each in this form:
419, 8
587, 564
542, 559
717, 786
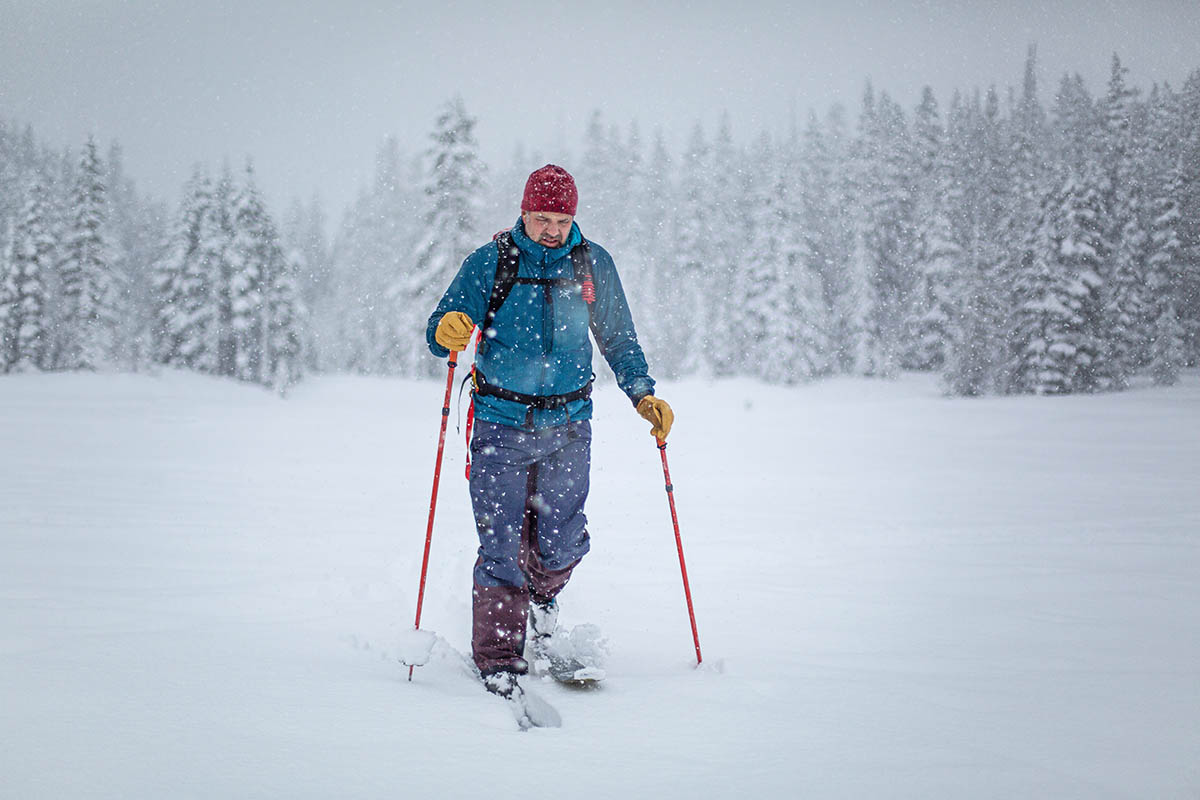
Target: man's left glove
659, 415
454, 331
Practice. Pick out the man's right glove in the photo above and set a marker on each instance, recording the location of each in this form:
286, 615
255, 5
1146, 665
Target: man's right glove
454, 331
658, 414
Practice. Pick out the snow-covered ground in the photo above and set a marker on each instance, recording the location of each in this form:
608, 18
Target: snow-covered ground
203, 588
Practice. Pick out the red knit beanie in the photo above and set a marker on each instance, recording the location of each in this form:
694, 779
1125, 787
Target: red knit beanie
552, 189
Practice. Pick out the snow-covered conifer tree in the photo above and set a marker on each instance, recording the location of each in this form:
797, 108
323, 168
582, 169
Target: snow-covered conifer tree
1189, 215
363, 329
886, 193
1048, 324
868, 357
253, 253
267, 313
694, 222
826, 190
8, 302
781, 312
733, 216
307, 250
453, 184
186, 282
24, 286
1028, 280
219, 257
91, 289
285, 325
1164, 261
937, 255
138, 239
1125, 227
625, 239
659, 294
1081, 252
980, 180
601, 201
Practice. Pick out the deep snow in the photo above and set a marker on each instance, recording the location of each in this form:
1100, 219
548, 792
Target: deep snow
203, 588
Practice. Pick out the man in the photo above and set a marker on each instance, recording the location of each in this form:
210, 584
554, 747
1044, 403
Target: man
533, 292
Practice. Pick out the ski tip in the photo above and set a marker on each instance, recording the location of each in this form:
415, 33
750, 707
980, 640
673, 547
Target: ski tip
589, 675
583, 678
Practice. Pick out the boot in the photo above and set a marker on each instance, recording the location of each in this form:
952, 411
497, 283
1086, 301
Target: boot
501, 683
543, 616
543, 621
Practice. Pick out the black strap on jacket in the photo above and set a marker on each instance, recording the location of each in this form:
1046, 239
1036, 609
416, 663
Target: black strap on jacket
508, 260
538, 401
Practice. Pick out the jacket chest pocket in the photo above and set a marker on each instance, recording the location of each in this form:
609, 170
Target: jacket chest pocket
543, 318
569, 318
520, 323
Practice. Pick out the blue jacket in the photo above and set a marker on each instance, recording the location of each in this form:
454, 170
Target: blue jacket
540, 346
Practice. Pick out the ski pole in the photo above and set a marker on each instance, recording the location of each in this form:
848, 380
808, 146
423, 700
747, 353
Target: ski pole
437, 474
687, 591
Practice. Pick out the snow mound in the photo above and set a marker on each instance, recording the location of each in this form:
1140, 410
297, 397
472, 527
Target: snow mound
582, 643
415, 647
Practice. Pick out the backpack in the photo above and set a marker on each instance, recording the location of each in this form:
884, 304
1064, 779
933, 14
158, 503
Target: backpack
508, 259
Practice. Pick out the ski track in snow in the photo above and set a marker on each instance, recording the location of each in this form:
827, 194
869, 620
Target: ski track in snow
204, 587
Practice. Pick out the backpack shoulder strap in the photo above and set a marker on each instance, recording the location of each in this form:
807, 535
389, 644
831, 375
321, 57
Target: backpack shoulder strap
581, 261
508, 258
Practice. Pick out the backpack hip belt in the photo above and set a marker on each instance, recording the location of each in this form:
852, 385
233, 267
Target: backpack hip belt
538, 401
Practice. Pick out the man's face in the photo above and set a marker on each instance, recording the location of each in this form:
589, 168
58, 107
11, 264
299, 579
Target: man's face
547, 228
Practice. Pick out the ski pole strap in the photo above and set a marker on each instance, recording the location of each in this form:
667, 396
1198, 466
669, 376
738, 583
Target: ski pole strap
538, 401
453, 362
470, 415
470, 424
458, 407
471, 404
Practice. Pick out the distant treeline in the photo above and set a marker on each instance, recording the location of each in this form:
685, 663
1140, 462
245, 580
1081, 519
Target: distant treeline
1009, 248
92, 277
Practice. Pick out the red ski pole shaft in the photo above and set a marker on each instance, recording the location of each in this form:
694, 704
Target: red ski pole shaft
687, 590
437, 475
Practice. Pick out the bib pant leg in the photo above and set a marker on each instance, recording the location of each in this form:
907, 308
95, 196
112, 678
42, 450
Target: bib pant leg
528, 489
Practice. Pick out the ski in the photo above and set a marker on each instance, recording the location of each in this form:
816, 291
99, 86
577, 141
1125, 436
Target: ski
570, 657
419, 648
568, 671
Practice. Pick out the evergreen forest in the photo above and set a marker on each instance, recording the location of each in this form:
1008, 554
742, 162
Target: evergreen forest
1009, 242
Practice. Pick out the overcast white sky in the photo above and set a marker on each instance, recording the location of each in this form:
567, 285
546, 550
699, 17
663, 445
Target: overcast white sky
310, 88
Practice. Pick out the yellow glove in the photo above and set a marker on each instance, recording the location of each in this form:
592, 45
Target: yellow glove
454, 331
658, 413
